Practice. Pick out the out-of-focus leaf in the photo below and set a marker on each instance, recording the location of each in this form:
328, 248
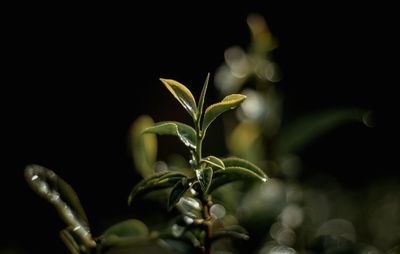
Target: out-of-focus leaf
304, 130
234, 231
213, 161
237, 162
202, 96
143, 147
61, 195
179, 245
213, 111
177, 192
156, 182
245, 141
263, 41
185, 133
126, 232
232, 174
183, 95
204, 176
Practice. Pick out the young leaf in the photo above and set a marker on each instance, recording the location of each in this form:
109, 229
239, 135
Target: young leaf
185, 133
214, 162
155, 182
126, 232
234, 231
202, 96
60, 194
232, 174
237, 162
204, 176
143, 147
177, 192
183, 95
213, 111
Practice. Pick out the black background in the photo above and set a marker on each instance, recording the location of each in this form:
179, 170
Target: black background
75, 77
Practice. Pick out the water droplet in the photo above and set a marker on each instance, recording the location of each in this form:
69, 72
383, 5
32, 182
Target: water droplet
188, 220
199, 175
76, 228
193, 192
264, 179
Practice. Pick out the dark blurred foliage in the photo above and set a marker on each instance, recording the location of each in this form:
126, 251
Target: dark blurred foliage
76, 76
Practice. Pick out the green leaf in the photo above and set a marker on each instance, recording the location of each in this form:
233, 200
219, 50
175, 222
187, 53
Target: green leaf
126, 232
155, 182
183, 95
308, 128
204, 176
60, 194
213, 111
143, 147
213, 161
234, 231
237, 162
232, 174
202, 96
177, 192
185, 133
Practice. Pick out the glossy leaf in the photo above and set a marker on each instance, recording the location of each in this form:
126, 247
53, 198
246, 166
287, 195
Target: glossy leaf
202, 96
177, 192
126, 232
155, 182
237, 162
143, 147
61, 195
234, 231
204, 176
308, 128
183, 95
213, 161
213, 111
185, 133
232, 174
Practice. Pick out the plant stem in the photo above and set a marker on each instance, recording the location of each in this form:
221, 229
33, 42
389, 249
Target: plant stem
207, 242
199, 143
205, 200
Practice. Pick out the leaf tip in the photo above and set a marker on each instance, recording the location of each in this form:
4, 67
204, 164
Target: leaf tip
164, 81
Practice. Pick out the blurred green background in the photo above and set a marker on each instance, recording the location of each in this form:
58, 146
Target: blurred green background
77, 76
